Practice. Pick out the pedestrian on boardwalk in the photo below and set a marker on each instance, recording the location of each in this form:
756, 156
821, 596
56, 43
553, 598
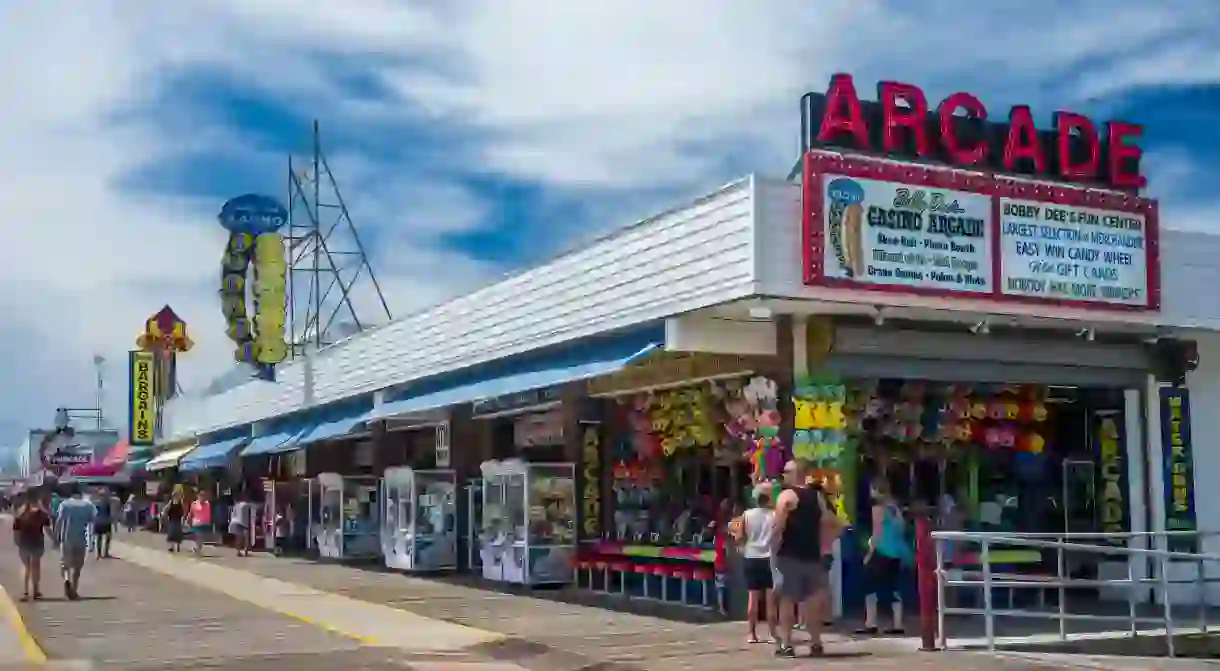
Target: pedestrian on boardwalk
756, 527
798, 571
129, 513
31, 526
72, 526
173, 515
200, 519
239, 524
888, 552
103, 527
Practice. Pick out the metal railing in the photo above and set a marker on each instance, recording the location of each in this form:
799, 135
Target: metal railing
1154, 577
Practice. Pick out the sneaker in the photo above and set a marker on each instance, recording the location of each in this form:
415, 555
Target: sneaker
786, 651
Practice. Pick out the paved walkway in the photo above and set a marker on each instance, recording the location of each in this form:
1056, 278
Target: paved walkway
147, 609
462, 623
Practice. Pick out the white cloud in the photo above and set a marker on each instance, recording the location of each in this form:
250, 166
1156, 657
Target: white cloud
589, 98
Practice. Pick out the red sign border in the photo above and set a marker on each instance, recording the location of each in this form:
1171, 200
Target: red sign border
818, 163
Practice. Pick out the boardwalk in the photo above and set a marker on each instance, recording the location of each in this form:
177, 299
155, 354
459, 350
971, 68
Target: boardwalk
148, 609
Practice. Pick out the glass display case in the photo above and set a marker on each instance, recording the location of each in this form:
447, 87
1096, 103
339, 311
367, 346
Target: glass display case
349, 511
419, 519
529, 522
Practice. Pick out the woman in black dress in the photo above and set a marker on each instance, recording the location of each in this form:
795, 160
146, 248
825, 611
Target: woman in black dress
174, 512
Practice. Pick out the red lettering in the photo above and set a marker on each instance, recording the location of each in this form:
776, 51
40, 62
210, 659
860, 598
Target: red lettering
895, 117
958, 152
1122, 153
1066, 123
843, 114
1022, 141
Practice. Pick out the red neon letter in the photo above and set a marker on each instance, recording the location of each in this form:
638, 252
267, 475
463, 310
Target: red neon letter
1121, 153
1066, 122
1022, 143
895, 117
959, 154
842, 114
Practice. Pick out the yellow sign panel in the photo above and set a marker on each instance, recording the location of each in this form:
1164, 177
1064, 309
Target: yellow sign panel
142, 415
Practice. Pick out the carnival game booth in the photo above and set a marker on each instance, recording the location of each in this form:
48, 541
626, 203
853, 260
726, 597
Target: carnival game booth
291, 511
261, 460
515, 406
214, 467
684, 438
988, 441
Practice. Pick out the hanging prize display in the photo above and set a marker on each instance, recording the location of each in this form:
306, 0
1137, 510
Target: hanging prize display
253, 222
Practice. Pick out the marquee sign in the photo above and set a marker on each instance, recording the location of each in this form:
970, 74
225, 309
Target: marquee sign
885, 226
907, 227
254, 243
960, 132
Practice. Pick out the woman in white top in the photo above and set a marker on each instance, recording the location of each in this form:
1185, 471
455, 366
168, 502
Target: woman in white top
754, 535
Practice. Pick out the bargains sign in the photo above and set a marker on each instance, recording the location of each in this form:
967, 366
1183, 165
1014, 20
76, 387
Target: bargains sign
142, 414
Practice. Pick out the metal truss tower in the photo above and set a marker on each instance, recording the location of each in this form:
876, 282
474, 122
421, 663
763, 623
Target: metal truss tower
329, 274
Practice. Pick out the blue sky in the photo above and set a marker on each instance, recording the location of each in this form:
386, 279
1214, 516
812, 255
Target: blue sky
471, 138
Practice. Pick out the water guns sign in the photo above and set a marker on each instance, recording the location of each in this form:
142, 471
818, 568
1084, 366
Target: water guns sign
253, 222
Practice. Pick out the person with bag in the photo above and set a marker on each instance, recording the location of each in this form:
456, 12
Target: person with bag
31, 527
888, 553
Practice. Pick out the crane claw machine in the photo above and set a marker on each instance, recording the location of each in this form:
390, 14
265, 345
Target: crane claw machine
529, 522
419, 519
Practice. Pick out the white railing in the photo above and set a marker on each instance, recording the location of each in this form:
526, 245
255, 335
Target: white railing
1097, 545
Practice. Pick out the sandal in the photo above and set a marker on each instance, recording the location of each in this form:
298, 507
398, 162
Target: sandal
753, 640
868, 631
817, 650
25, 598
895, 631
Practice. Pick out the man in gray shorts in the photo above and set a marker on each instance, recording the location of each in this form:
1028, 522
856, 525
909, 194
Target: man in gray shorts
72, 526
799, 573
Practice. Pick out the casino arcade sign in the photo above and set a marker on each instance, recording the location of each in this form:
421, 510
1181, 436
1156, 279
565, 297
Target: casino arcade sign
955, 214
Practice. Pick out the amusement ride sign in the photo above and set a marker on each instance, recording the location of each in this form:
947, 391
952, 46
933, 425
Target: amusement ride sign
907, 227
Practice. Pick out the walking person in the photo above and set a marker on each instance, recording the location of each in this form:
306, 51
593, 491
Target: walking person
798, 571
103, 527
240, 524
72, 527
173, 516
888, 552
200, 519
757, 525
31, 526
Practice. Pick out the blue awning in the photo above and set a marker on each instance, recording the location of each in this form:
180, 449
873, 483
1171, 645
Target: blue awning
272, 443
211, 455
514, 384
327, 430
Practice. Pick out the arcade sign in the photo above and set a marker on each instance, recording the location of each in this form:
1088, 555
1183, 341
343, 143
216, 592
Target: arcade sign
902, 124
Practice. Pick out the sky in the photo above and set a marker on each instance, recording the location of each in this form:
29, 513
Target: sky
472, 137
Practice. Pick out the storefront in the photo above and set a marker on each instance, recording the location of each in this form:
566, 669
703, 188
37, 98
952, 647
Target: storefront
991, 347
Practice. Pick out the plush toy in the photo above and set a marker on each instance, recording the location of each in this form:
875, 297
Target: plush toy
978, 410
991, 437
761, 392
995, 409
1012, 410
802, 413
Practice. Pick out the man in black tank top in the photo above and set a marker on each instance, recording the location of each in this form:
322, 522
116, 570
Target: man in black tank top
799, 574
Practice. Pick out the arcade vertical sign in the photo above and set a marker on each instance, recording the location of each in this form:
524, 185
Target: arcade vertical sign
1112, 472
142, 408
1178, 465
